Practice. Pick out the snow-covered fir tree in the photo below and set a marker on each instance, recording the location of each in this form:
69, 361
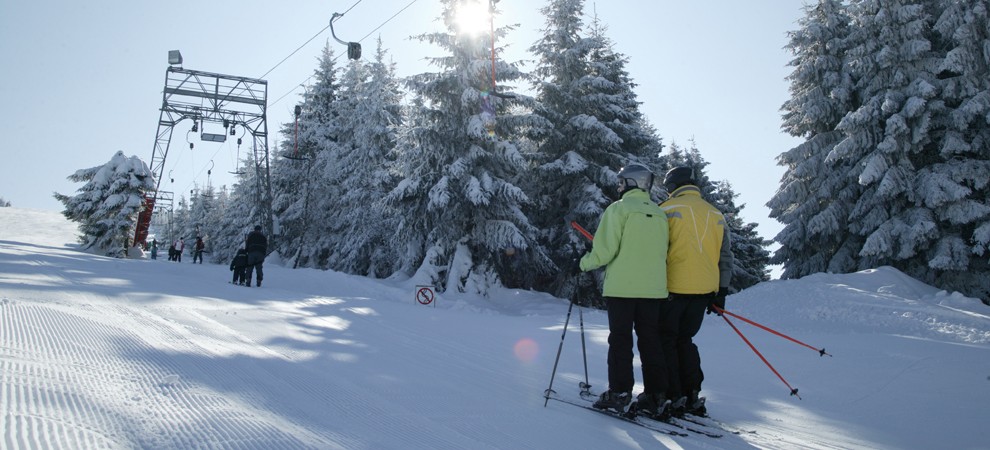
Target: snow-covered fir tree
596, 128
205, 216
371, 111
913, 141
886, 136
200, 202
180, 221
237, 220
299, 176
957, 184
815, 198
750, 256
107, 205
462, 225
4, 203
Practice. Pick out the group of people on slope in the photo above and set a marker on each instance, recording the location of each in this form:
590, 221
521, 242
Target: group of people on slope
665, 265
176, 248
247, 261
250, 258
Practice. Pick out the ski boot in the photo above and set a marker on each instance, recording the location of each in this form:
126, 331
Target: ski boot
615, 401
696, 405
653, 406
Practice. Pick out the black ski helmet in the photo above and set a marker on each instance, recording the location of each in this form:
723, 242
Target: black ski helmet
677, 177
633, 176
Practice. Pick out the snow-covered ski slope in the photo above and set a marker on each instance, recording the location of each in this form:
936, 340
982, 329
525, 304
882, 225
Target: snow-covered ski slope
98, 352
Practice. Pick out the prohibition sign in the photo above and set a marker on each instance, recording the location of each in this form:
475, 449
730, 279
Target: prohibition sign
424, 296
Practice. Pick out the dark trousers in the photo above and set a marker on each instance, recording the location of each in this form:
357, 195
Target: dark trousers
680, 320
198, 255
240, 274
624, 316
255, 262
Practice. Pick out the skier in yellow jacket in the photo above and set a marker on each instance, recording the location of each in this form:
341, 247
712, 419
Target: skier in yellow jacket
699, 267
631, 242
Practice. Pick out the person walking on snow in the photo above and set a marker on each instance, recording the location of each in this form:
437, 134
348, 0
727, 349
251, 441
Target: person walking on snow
198, 250
699, 268
257, 247
631, 242
239, 266
179, 246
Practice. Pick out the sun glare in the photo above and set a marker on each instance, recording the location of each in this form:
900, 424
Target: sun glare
472, 17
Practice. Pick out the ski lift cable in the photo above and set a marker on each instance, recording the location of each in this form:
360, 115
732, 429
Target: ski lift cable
310, 39
303, 82
204, 168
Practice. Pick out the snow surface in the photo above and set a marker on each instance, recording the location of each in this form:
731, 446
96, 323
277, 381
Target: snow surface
98, 352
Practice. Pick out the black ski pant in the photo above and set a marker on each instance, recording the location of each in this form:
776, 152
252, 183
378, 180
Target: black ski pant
680, 321
240, 274
642, 315
256, 261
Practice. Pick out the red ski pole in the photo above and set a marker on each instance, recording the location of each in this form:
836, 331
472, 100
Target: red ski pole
794, 392
821, 351
581, 230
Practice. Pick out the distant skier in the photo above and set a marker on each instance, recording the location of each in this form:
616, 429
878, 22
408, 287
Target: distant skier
257, 247
179, 246
199, 247
154, 249
239, 266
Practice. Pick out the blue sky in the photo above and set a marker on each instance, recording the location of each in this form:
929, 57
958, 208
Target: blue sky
82, 80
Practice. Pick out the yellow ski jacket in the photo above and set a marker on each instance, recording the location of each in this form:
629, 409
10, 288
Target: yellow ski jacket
699, 258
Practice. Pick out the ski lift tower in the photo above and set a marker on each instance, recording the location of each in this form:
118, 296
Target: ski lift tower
205, 97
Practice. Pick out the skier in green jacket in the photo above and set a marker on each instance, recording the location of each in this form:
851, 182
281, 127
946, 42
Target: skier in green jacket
631, 242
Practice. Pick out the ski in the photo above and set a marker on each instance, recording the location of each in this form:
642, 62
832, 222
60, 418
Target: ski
622, 417
683, 423
588, 396
706, 421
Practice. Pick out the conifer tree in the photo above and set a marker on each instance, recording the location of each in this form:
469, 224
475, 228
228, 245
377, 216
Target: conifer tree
956, 186
204, 218
237, 219
370, 109
815, 197
908, 177
886, 138
107, 205
462, 223
299, 177
585, 92
181, 220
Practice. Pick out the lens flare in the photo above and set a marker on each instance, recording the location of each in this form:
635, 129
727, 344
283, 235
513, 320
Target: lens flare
526, 350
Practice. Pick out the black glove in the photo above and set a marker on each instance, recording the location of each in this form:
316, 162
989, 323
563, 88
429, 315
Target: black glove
576, 266
718, 301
